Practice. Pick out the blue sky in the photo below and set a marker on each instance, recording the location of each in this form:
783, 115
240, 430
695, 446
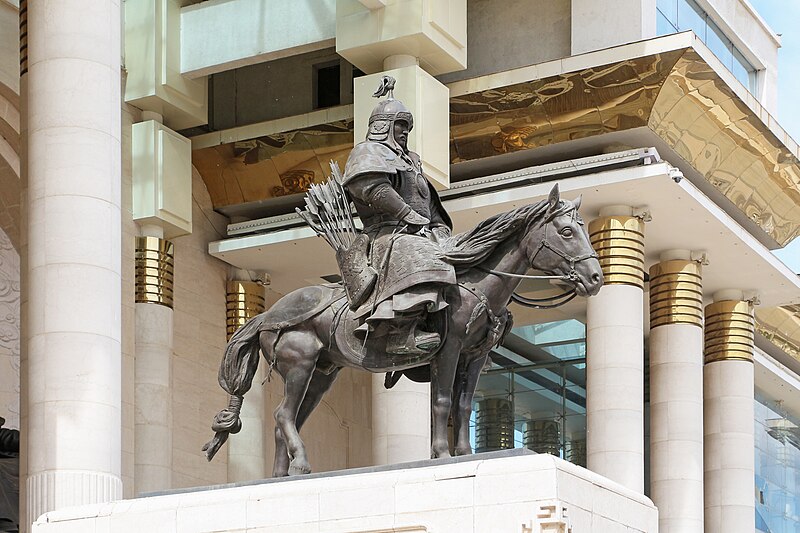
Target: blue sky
783, 17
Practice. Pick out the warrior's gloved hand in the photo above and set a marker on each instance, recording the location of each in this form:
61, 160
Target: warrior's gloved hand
383, 197
415, 219
440, 233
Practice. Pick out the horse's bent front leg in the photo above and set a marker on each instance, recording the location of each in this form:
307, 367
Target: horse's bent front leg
463, 407
297, 356
443, 373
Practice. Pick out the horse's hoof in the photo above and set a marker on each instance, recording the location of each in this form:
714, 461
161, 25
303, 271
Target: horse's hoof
299, 469
463, 451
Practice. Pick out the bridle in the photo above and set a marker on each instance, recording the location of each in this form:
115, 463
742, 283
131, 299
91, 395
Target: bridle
549, 302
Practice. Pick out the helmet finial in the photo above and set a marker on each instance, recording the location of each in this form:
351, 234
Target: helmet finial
386, 87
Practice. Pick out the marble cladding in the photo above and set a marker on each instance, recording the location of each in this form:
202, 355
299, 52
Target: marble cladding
9, 332
198, 344
521, 492
130, 115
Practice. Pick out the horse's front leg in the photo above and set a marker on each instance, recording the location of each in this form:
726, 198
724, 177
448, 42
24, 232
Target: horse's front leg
463, 407
443, 373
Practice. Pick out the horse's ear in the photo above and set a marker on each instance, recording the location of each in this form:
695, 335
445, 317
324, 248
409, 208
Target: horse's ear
577, 202
554, 198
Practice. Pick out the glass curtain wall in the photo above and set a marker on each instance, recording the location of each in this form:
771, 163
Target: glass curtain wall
681, 15
777, 468
534, 393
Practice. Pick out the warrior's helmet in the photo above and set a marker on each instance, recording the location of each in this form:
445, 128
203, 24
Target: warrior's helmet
386, 113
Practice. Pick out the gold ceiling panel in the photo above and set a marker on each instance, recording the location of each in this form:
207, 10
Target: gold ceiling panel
675, 94
781, 326
273, 165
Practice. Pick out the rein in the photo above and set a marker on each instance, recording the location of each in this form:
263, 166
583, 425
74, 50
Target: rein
549, 302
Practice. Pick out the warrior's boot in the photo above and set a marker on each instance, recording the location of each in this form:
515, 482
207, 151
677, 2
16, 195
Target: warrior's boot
407, 338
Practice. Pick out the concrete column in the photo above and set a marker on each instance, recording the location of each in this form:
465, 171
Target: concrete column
615, 351
154, 274
246, 456
73, 271
676, 392
728, 411
401, 421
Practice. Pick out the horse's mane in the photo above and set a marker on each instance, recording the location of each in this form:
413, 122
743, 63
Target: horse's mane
470, 248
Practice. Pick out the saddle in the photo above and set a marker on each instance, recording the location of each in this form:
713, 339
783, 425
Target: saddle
371, 354
300, 305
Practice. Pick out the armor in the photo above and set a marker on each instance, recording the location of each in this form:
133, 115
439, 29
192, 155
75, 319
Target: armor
405, 223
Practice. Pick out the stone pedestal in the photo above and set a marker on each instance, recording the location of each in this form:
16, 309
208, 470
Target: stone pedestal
503, 491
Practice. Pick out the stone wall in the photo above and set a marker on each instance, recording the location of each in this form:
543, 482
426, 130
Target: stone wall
199, 342
533, 31
9, 332
130, 115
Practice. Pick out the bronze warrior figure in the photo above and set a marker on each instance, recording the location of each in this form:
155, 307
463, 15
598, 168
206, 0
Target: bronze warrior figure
412, 298
405, 222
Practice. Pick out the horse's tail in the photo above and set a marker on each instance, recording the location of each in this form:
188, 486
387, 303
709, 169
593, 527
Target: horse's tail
236, 373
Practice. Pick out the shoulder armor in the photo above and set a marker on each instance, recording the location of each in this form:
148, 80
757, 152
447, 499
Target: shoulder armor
369, 157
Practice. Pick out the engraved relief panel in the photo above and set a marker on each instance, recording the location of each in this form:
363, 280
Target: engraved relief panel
9, 332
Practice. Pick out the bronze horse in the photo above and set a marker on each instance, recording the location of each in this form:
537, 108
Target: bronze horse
490, 261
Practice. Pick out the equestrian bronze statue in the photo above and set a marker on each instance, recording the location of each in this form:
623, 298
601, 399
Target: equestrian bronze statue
413, 297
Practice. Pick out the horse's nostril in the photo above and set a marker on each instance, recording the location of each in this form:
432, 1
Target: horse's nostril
596, 277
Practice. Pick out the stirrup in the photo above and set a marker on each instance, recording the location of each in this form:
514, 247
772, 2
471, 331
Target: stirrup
413, 342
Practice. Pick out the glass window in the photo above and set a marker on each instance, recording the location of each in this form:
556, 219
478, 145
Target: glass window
663, 25
691, 17
720, 45
744, 71
534, 394
669, 10
681, 15
777, 480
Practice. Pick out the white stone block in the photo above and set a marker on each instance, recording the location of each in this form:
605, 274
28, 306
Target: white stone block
153, 61
162, 178
436, 32
527, 490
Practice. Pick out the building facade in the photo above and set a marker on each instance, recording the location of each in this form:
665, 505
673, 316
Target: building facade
152, 154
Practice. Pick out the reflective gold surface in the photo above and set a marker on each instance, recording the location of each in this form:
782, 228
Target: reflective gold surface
244, 300
729, 332
675, 94
781, 326
273, 165
619, 243
676, 293
154, 271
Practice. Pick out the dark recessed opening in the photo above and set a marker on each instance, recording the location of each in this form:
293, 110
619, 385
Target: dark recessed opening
327, 89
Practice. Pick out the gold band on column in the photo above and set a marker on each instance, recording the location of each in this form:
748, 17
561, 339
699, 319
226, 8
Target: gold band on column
619, 243
729, 331
245, 299
676, 293
155, 270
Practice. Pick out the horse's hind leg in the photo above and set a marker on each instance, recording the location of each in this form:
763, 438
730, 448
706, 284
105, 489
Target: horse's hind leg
297, 353
443, 373
462, 406
319, 385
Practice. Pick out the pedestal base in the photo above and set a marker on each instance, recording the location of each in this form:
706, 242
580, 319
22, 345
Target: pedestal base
514, 490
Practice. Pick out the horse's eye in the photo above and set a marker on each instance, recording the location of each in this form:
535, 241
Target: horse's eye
566, 232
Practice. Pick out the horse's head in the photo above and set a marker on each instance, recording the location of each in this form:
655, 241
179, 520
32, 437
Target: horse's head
561, 247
